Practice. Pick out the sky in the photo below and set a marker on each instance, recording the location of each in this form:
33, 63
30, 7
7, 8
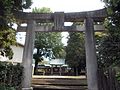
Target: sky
64, 6
69, 5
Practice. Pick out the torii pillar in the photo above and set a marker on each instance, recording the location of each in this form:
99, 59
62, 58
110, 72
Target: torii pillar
91, 61
28, 56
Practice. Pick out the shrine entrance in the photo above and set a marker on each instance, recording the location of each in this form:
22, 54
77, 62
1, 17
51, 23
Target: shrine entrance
91, 19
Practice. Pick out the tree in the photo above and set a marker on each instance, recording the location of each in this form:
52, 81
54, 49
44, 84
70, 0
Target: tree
50, 40
41, 10
7, 38
109, 48
113, 9
109, 45
7, 18
75, 51
8, 8
99, 37
47, 40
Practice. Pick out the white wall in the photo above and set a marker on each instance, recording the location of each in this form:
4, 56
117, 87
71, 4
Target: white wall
18, 53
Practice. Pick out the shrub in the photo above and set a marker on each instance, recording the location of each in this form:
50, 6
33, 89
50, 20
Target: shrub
118, 76
3, 87
10, 76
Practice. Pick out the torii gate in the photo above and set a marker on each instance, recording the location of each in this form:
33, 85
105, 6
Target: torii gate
58, 18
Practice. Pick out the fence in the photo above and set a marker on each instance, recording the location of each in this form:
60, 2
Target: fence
107, 80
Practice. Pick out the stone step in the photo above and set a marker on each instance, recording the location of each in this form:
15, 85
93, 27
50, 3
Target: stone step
59, 83
68, 82
54, 87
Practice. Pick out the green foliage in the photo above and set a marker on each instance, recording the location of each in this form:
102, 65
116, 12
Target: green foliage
50, 40
109, 45
113, 8
75, 50
118, 76
41, 10
109, 48
3, 87
8, 52
7, 38
7, 18
10, 76
9, 7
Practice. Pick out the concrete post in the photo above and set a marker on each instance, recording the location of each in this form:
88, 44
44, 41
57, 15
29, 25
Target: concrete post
28, 55
91, 61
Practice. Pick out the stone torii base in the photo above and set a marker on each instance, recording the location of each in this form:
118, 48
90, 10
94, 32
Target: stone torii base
27, 88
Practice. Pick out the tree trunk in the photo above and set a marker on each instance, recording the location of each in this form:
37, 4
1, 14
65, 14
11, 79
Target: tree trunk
36, 63
35, 68
75, 71
79, 70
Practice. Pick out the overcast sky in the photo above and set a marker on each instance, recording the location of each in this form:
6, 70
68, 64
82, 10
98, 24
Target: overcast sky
69, 5
65, 6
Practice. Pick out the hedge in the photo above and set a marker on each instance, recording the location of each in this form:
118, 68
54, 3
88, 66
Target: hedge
10, 76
